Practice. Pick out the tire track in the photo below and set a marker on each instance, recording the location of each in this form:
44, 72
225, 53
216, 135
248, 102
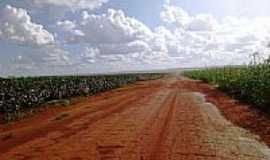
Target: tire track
105, 137
163, 122
151, 137
96, 113
160, 146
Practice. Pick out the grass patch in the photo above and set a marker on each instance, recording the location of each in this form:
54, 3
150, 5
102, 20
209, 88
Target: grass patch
247, 83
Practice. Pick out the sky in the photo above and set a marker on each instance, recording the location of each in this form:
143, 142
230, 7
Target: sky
48, 37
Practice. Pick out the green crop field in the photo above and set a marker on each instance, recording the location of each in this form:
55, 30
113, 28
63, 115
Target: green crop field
21, 94
248, 83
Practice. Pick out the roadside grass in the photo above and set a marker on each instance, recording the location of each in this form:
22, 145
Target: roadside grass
249, 83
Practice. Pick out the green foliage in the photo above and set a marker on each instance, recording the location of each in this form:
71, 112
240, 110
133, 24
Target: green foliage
248, 83
27, 93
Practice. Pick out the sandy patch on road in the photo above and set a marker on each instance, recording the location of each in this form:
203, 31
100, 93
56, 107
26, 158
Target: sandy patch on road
232, 139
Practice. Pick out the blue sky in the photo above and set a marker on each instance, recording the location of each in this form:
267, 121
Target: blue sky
220, 9
83, 36
150, 10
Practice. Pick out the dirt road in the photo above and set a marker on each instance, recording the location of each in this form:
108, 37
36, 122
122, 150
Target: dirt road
154, 120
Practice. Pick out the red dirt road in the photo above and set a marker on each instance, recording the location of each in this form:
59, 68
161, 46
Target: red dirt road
154, 120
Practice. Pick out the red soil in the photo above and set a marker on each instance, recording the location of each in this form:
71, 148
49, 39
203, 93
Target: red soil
239, 113
151, 120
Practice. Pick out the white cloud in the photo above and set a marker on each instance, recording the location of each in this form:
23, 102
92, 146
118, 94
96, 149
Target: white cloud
114, 36
28, 46
203, 22
52, 56
167, 2
201, 37
125, 48
49, 11
68, 32
112, 27
178, 17
174, 15
114, 41
74, 4
89, 55
122, 42
16, 26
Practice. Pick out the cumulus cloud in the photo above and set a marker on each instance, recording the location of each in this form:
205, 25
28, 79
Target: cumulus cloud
112, 27
74, 4
178, 17
197, 40
49, 11
124, 48
202, 37
16, 26
52, 56
174, 15
202, 22
89, 55
112, 36
86, 41
67, 31
28, 46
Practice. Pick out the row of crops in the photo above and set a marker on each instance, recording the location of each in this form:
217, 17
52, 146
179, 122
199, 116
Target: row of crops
19, 94
248, 83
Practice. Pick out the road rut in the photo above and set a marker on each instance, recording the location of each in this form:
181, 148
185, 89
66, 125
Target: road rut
152, 120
